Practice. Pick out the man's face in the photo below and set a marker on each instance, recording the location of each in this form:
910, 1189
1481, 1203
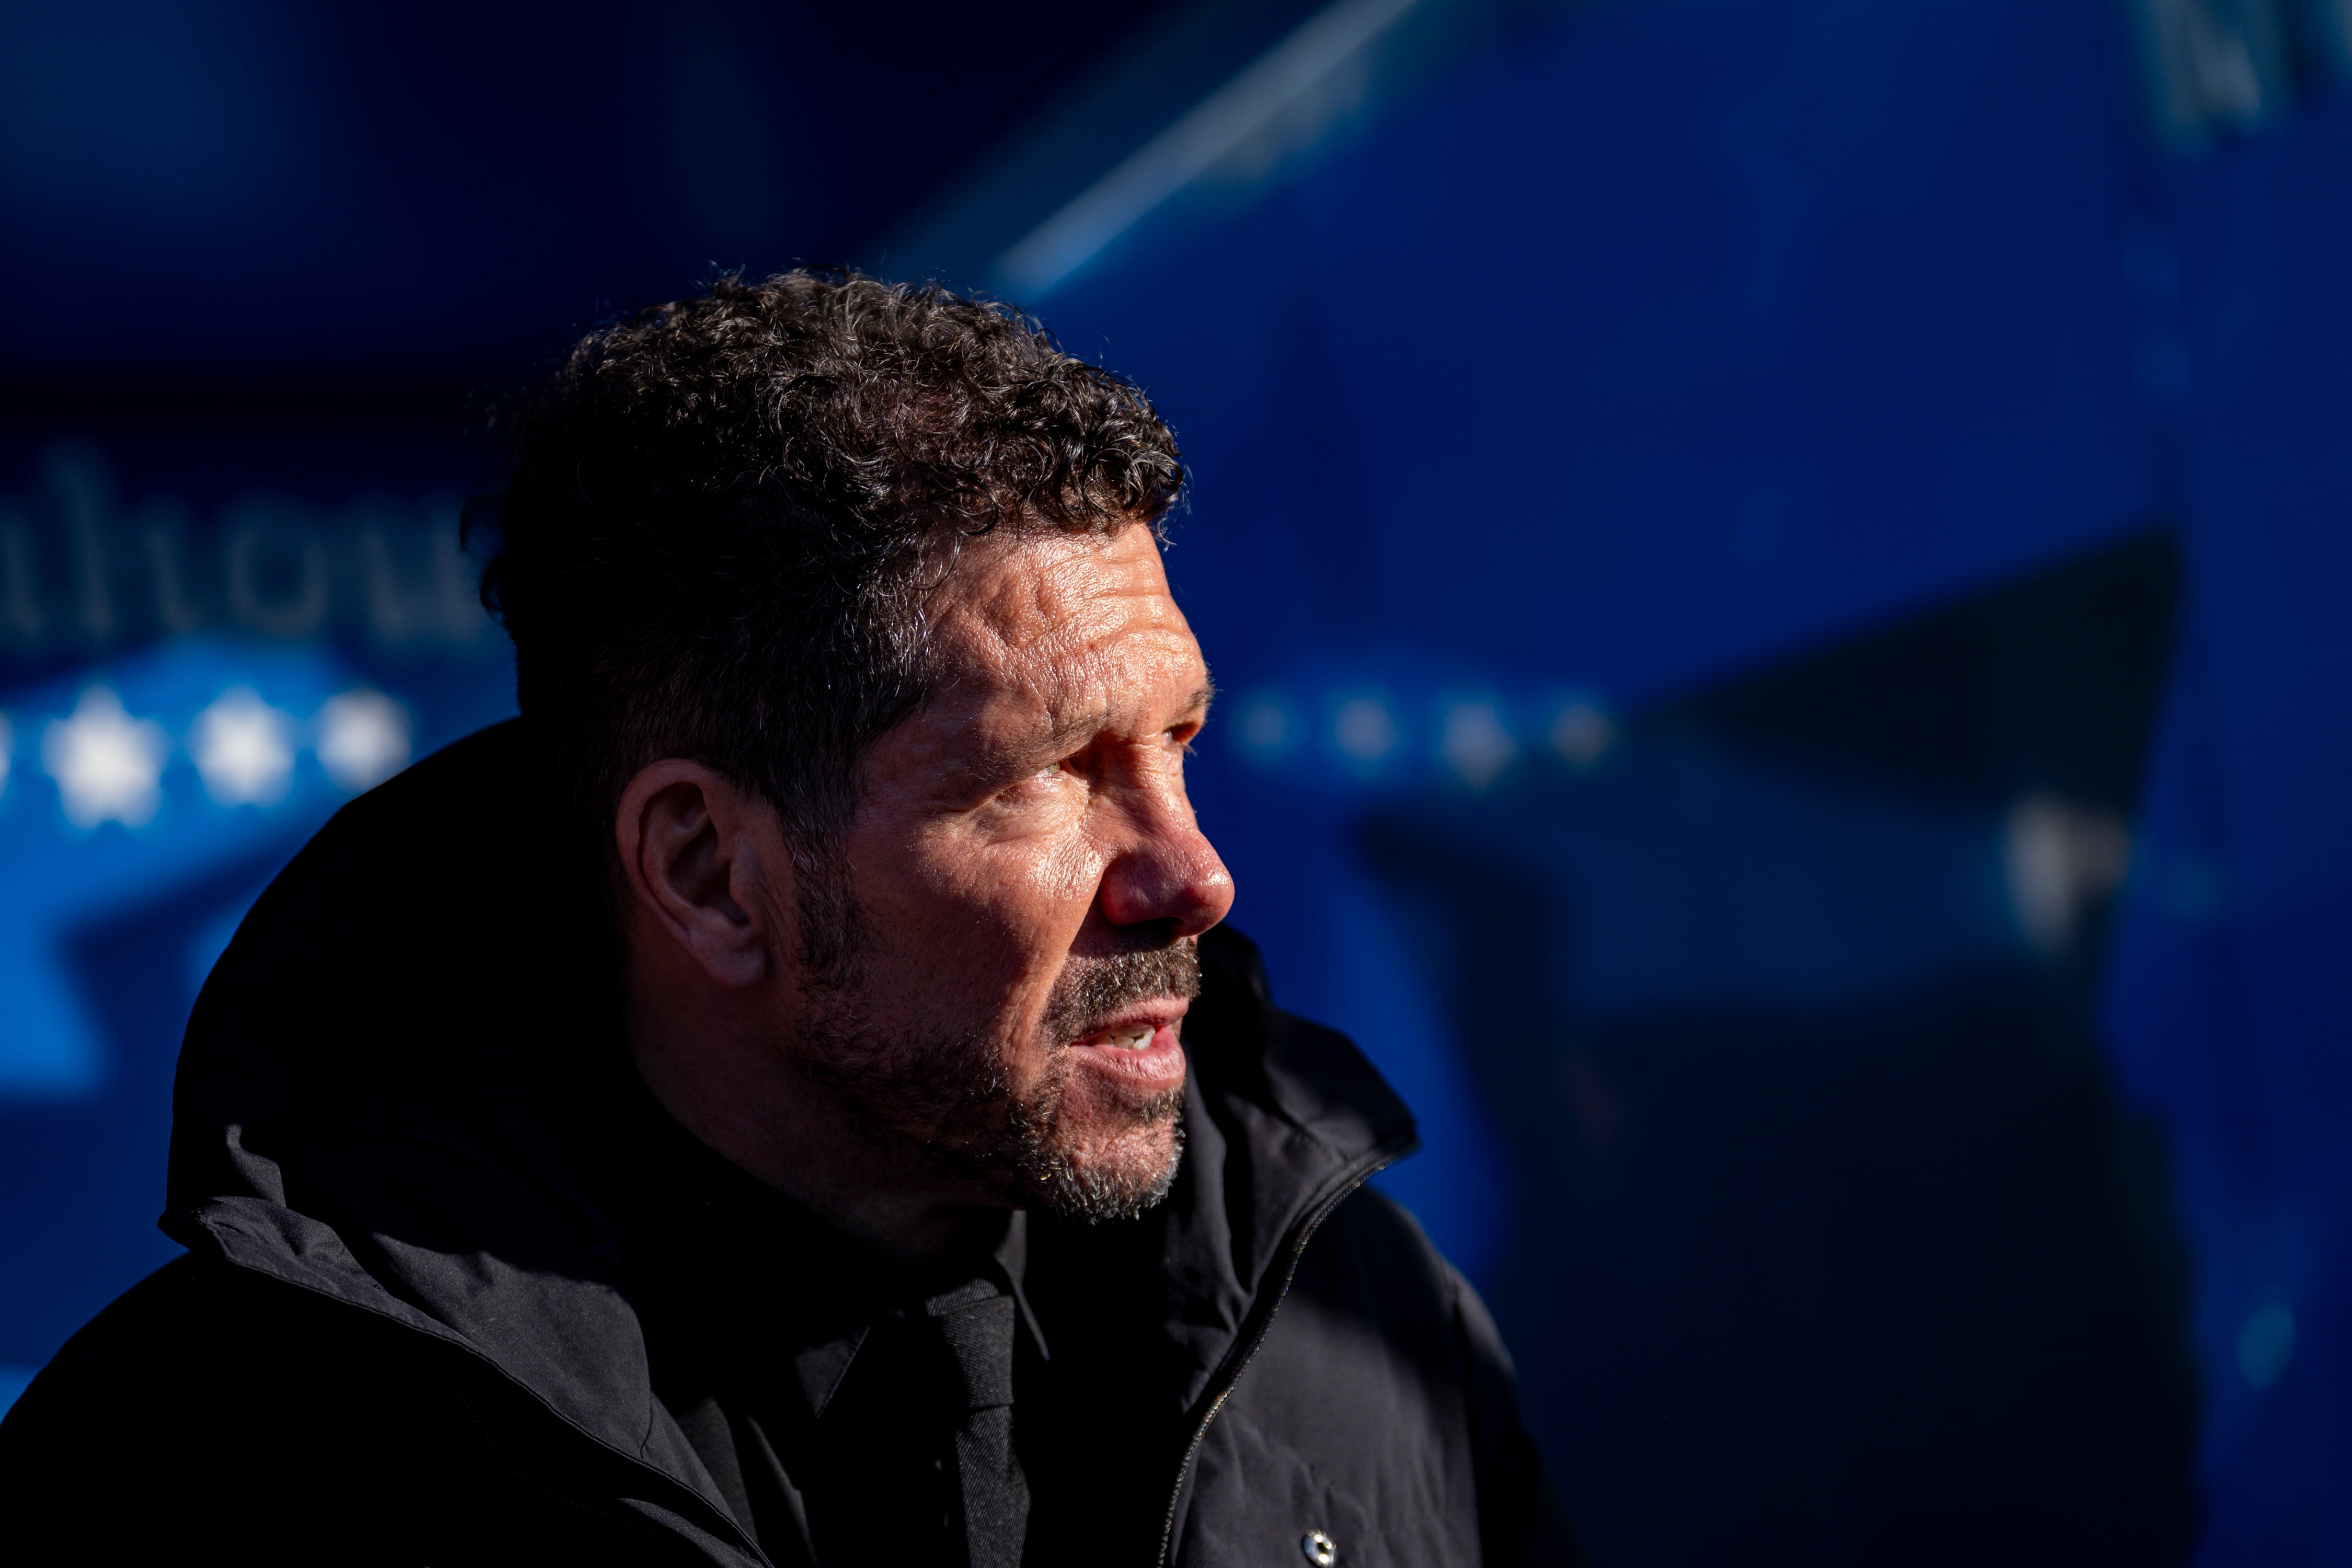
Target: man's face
1028, 882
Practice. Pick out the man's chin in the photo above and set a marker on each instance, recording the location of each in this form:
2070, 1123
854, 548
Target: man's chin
1115, 1173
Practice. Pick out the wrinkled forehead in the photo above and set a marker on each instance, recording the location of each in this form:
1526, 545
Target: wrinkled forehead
1064, 621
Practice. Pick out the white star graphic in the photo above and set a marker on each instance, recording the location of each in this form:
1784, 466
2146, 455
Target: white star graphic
244, 748
364, 738
108, 765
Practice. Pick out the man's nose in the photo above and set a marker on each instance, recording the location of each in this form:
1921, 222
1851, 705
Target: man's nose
1167, 872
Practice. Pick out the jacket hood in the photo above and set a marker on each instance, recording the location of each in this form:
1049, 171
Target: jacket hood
382, 1098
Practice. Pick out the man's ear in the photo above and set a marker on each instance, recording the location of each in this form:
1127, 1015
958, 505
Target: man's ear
700, 857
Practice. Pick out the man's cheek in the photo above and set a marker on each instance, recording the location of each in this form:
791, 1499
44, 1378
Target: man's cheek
1031, 910
1065, 884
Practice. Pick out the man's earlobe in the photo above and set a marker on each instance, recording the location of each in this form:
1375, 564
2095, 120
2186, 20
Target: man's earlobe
690, 846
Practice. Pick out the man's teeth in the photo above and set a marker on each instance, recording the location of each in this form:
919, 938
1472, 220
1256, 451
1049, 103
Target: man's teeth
1132, 1039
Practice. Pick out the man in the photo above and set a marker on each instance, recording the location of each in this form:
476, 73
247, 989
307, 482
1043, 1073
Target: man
786, 1098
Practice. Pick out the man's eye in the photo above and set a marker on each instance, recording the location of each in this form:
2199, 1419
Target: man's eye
1048, 777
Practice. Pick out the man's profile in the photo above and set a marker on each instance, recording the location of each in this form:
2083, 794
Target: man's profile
788, 1098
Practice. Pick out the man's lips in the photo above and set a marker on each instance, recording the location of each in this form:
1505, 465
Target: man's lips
1138, 1046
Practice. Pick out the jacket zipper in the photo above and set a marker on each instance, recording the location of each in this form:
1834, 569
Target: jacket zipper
1383, 1158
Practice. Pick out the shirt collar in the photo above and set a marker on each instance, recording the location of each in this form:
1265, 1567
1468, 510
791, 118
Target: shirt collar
823, 1363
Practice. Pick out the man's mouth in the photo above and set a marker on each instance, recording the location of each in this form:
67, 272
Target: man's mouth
1140, 1055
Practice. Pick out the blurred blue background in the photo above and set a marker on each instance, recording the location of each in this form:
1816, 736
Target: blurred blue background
1780, 569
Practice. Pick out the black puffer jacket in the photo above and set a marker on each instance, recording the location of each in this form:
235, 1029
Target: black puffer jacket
404, 1333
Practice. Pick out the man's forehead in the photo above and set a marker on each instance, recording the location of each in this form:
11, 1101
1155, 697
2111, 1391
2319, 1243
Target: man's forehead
1060, 616
1078, 586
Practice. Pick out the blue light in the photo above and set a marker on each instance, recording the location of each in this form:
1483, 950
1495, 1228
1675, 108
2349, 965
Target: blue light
99, 831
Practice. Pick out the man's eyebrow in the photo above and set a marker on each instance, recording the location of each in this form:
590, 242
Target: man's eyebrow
1082, 726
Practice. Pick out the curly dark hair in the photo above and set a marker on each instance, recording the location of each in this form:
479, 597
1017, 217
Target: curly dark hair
723, 516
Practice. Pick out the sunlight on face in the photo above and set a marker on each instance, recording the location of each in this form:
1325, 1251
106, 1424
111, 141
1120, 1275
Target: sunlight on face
1029, 878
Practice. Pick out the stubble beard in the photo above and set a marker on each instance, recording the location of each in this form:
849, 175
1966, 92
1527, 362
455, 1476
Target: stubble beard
946, 1096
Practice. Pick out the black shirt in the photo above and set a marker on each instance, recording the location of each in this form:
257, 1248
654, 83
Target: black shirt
809, 1373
